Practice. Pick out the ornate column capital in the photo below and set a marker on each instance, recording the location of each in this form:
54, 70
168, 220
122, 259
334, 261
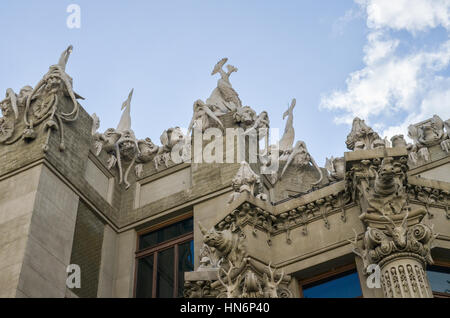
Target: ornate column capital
395, 239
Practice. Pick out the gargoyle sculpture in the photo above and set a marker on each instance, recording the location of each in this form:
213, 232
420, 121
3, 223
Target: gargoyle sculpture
147, 153
176, 147
203, 117
44, 101
226, 244
120, 143
246, 180
42, 104
245, 117
381, 185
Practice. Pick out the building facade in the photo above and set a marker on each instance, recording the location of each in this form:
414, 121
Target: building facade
218, 211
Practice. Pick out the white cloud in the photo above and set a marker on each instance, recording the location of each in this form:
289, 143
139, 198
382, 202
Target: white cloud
410, 15
390, 83
350, 15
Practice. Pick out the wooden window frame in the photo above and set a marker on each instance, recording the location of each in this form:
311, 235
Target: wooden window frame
154, 250
328, 274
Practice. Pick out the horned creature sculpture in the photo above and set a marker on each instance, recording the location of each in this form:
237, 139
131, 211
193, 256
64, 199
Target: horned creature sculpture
398, 233
231, 288
270, 284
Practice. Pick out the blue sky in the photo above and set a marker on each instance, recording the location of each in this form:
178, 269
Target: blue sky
337, 58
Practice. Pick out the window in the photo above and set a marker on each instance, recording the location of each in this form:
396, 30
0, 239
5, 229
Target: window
339, 283
164, 253
439, 278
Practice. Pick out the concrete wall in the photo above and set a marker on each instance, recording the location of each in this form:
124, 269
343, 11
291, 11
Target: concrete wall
50, 238
17, 199
125, 264
108, 264
440, 173
37, 213
163, 187
319, 245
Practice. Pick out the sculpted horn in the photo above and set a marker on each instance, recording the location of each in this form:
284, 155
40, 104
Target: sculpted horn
318, 169
202, 228
405, 219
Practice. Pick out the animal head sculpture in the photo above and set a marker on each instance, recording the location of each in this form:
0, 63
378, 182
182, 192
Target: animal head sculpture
220, 240
245, 116
147, 150
385, 177
270, 283
398, 233
231, 288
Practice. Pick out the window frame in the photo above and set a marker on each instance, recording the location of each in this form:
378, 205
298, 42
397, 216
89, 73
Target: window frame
333, 272
437, 294
154, 250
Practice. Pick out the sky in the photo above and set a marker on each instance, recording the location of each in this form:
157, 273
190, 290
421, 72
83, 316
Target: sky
382, 60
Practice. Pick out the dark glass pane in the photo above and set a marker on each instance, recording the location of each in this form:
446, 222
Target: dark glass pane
439, 278
165, 278
144, 277
166, 234
185, 263
344, 286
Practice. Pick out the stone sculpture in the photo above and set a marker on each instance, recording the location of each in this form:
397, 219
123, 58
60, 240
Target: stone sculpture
251, 287
395, 239
287, 141
237, 275
231, 287
176, 148
246, 180
147, 153
224, 97
225, 244
203, 117
43, 104
270, 283
124, 148
362, 136
120, 143
96, 123
261, 127
299, 158
10, 113
335, 168
245, 117
446, 142
425, 135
